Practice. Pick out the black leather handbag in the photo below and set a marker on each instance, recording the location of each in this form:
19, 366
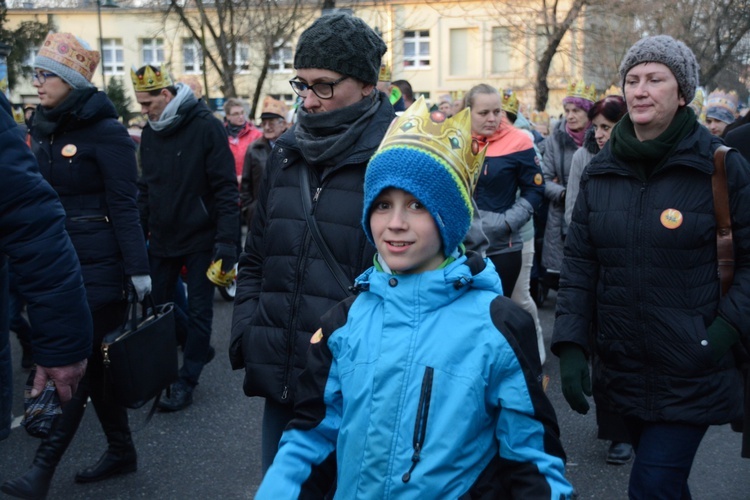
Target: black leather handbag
140, 357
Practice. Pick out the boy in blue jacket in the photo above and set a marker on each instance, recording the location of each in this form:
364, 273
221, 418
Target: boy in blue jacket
426, 383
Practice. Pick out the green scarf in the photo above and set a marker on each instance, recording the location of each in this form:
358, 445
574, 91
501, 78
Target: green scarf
647, 156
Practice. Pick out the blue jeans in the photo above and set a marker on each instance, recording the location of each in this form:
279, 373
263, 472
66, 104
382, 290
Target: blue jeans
6, 369
276, 417
664, 454
164, 273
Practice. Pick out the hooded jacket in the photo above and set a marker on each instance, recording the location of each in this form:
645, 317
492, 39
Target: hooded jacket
284, 285
642, 255
510, 165
89, 159
188, 195
420, 389
559, 149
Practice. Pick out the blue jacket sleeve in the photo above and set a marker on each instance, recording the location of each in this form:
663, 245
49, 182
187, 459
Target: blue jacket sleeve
32, 235
306, 458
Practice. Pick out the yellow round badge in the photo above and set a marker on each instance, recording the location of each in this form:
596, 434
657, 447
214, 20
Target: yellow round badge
69, 150
671, 218
538, 179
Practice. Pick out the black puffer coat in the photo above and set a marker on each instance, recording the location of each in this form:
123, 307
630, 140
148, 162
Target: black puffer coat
32, 235
284, 285
655, 290
90, 161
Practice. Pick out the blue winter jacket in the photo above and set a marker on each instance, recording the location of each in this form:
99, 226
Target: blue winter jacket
422, 386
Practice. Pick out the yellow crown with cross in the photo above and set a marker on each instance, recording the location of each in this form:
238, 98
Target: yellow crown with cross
447, 138
580, 89
510, 102
150, 79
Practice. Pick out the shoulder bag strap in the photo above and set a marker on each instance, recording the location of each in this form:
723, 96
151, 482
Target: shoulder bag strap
312, 225
724, 247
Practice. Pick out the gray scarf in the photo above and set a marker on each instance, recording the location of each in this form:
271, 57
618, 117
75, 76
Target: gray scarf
171, 116
326, 138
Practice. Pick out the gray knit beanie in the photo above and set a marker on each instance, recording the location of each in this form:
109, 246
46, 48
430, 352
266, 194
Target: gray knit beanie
672, 53
341, 43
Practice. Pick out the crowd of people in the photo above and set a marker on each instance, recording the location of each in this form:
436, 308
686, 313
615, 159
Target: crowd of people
386, 300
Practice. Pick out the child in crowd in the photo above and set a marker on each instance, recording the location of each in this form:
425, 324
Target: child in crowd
426, 383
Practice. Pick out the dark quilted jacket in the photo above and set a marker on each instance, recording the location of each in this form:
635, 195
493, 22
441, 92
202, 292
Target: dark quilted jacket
284, 285
96, 182
655, 290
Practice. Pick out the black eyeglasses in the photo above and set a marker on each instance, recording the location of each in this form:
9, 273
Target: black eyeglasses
324, 90
42, 76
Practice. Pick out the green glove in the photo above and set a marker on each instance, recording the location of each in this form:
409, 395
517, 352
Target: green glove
575, 377
721, 337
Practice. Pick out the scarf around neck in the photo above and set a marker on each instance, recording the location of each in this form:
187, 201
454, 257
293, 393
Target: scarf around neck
234, 130
579, 135
48, 120
175, 110
326, 138
650, 154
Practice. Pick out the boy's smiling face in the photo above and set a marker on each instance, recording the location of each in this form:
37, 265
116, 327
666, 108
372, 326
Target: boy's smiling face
405, 233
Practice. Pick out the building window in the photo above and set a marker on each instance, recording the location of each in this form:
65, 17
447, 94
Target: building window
152, 51
285, 98
113, 56
463, 60
192, 56
501, 50
242, 57
282, 59
417, 49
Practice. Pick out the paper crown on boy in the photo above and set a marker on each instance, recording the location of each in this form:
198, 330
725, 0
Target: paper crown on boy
151, 80
436, 161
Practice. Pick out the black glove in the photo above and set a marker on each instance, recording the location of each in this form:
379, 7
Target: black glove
227, 253
721, 337
575, 377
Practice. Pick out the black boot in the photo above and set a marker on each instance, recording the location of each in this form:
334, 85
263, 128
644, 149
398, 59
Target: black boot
35, 482
120, 457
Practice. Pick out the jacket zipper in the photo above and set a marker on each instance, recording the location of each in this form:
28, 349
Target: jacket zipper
420, 425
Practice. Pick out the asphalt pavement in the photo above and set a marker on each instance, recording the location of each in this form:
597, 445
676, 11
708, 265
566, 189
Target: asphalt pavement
212, 449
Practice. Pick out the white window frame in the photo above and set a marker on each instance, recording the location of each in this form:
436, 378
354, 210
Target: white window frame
152, 51
416, 58
242, 64
113, 56
282, 60
193, 64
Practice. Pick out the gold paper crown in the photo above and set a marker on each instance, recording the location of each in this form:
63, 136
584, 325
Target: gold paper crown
18, 115
580, 89
697, 102
510, 102
150, 79
721, 99
447, 138
385, 73
612, 90
539, 118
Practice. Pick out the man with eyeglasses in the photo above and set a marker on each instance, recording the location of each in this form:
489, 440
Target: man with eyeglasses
241, 132
285, 283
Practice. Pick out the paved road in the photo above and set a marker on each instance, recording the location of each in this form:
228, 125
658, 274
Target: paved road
212, 449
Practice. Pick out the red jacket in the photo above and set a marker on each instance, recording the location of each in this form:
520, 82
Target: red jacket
239, 145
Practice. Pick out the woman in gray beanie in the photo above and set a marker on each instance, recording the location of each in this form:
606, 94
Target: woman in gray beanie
640, 271
286, 281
